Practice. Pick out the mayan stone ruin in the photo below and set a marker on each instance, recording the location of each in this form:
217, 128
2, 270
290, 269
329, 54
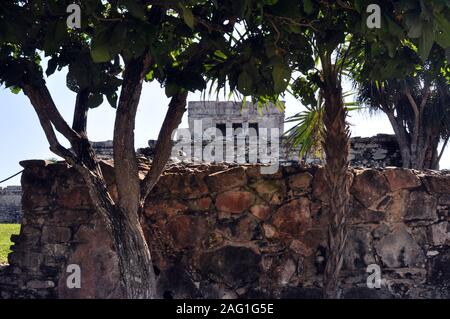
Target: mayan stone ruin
227, 231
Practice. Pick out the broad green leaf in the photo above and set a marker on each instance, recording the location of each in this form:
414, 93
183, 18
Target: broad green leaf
245, 83
415, 31
171, 89
95, 100
188, 16
280, 75
443, 39
308, 6
135, 8
111, 96
426, 41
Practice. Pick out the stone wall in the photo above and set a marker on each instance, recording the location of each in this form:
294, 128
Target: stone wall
380, 150
10, 208
220, 231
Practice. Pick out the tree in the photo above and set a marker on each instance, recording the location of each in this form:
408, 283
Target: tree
287, 37
417, 105
339, 37
120, 44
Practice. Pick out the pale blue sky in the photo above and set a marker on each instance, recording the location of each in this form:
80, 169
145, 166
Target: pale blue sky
21, 136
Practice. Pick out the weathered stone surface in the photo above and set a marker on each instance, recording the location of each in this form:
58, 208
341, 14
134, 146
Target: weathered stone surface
98, 264
300, 248
231, 264
440, 233
398, 249
421, 206
187, 231
261, 211
234, 201
260, 246
358, 251
54, 235
360, 214
164, 207
225, 180
439, 271
301, 181
37, 284
399, 178
271, 190
369, 186
319, 185
175, 283
293, 218
200, 204
437, 183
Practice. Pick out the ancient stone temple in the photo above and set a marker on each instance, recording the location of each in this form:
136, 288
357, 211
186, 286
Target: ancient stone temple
234, 115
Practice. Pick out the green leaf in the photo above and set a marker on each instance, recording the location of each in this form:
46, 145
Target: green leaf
426, 41
111, 96
245, 83
171, 89
15, 89
280, 75
100, 51
188, 16
270, 2
135, 8
443, 39
95, 100
415, 31
51, 66
308, 6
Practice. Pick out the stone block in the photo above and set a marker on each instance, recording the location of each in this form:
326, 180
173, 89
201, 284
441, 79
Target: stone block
293, 218
421, 206
399, 178
398, 249
225, 180
369, 186
234, 201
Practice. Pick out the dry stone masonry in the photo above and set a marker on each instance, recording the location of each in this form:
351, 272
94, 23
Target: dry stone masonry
226, 231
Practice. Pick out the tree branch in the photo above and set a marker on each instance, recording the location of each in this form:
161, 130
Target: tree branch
163, 148
43, 103
80, 113
125, 162
442, 150
416, 129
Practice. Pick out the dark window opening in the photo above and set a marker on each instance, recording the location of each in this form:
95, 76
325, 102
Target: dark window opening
236, 127
222, 128
252, 128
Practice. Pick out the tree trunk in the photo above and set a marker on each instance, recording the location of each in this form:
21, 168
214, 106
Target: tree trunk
135, 263
336, 146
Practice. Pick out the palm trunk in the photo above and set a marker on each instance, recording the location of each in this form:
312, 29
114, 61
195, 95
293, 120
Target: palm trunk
336, 146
